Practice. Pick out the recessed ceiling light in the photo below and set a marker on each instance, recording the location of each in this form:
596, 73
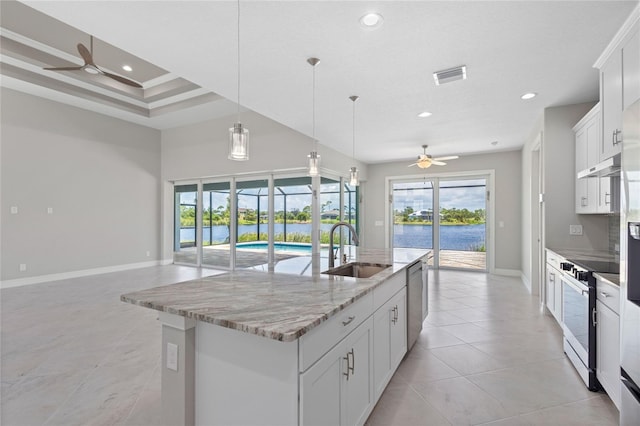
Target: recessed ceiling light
371, 20
127, 68
424, 114
529, 95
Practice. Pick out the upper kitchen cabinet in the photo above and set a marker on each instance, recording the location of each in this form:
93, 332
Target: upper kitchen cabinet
588, 136
619, 68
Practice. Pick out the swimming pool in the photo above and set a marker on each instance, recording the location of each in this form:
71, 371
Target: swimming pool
301, 248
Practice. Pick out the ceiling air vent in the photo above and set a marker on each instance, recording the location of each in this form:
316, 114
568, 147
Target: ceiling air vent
452, 74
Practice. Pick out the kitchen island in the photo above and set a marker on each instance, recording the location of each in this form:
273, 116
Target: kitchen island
250, 347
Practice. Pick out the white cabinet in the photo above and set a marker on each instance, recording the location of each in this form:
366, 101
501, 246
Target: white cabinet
554, 293
631, 69
608, 339
611, 100
588, 135
619, 82
608, 194
389, 340
337, 389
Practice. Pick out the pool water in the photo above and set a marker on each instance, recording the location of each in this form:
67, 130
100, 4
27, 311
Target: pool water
286, 247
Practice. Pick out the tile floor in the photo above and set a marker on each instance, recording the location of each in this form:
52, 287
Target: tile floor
73, 354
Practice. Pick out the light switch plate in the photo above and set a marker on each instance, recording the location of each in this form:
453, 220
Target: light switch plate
575, 229
379, 223
172, 356
14, 209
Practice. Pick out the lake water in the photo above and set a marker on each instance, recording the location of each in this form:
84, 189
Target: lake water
452, 237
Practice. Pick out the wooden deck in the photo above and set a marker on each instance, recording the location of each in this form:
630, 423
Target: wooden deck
462, 259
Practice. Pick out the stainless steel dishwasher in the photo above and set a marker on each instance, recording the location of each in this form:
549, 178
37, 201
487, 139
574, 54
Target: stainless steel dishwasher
414, 303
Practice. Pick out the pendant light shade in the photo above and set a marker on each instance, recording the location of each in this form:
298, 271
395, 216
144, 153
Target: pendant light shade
353, 172
314, 163
314, 157
238, 135
353, 176
238, 142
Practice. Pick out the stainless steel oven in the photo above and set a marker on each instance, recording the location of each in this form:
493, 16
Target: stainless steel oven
578, 322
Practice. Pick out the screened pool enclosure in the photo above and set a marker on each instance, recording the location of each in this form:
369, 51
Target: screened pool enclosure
240, 223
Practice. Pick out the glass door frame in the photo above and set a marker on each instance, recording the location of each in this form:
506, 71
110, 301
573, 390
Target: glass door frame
435, 178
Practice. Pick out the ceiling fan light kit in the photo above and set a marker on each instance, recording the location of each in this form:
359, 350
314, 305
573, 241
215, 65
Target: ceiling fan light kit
90, 66
425, 161
238, 135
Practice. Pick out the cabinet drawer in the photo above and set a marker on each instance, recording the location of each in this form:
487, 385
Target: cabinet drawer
387, 289
608, 294
321, 339
553, 259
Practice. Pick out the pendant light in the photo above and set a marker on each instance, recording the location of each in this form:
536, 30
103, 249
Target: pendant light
353, 173
238, 135
314, 157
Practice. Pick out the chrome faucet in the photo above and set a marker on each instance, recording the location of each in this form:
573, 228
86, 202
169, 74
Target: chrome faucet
354, 237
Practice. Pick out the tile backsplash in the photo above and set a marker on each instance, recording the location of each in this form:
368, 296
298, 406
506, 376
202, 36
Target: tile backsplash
614, 235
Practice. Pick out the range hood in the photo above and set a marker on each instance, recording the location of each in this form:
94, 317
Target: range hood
608, 167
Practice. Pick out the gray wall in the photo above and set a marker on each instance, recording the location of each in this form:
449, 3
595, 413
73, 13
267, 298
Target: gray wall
559, 184
507, 199
100, 175
558, 187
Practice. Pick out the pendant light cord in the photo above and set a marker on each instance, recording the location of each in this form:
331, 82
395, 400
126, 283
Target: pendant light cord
353, 153
238, 61
313, 110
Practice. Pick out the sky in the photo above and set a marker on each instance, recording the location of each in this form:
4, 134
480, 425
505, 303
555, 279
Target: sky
471, 198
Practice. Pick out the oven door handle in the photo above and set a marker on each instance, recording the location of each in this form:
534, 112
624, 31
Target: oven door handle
577, 288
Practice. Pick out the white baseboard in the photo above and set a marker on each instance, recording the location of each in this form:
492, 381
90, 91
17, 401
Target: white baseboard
526, 282
18, 282
165, 262
507, 272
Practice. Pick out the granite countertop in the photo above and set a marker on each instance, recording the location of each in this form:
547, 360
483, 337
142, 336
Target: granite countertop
613, 279
278, 306
603, 255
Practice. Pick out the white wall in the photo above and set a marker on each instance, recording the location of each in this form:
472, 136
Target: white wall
507, 200
100, 175
200, 151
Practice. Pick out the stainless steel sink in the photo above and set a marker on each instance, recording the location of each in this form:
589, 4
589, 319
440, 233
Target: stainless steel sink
357, 269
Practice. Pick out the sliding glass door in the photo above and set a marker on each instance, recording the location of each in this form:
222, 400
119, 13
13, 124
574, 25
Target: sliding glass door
463, 227
447, 215
216, 224
185, 224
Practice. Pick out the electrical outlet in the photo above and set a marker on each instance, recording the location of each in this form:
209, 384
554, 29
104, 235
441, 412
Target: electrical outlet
501, 224
172, 356
49, 210
575, 229
23, 267
148, 254
379, 223
14, 209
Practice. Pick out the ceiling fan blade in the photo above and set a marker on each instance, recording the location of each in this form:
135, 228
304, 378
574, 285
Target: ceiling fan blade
438, 163
86, 55
121, 79
414, 164
450, 157
63, 69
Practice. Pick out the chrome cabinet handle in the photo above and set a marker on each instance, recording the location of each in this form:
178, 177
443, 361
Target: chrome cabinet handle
593, 317
606, 195
394, 319
553, 277
351, 363
603, 294
351, 318
397, 311
583, 201
616, 132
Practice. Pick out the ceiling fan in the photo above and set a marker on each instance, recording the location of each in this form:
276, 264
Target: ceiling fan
90, 66
425, 161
